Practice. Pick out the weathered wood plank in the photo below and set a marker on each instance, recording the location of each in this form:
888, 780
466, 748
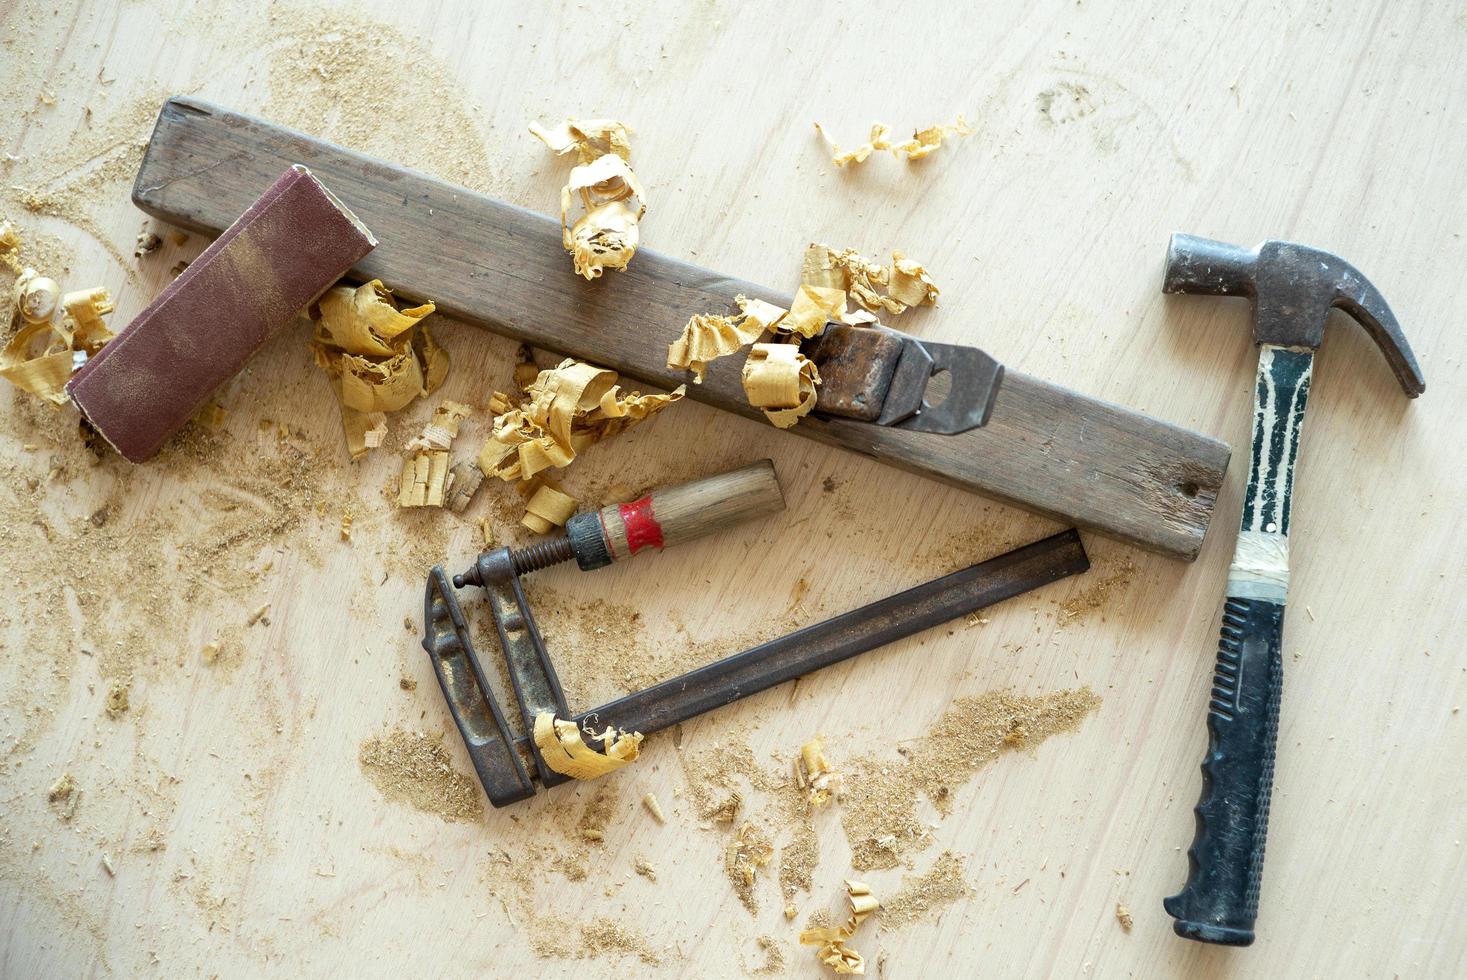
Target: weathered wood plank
1103, 467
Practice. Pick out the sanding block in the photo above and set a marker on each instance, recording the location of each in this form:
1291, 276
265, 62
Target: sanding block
278, 257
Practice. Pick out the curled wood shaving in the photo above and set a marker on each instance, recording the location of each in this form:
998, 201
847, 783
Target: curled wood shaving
9, 240
709, 336
548, 508
876, 141
653, 807
892, 289
564, 751
923, 142
605, 235
442, 428
814, 773
377, 356
781, 381
567, 409
589, 138
813, 308
833, 951
42, 355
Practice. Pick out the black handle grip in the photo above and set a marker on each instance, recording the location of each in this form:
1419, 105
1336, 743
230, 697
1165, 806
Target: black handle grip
1220, 899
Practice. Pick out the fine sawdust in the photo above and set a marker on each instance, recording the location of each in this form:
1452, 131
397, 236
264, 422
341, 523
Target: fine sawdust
774, 962
879, 808
605, 936
511, 880
924, 896
415, 768
1099, 590
374, 88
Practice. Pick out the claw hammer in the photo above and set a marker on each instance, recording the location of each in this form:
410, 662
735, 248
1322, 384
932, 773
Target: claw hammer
1293, 287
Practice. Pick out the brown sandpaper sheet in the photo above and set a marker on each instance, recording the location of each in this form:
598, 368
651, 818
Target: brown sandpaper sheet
293, 242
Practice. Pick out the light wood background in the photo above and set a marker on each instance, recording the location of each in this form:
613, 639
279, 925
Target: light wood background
1101, 129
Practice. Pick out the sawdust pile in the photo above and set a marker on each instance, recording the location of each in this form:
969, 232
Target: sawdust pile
1098, 591
924, 896
359, 82
879, 809
200, 552
774, 962
415, 768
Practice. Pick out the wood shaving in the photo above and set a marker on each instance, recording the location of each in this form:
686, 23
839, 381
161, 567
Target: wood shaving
147, 243
876, 141
814, 773
63, 797
43, 354
588, 138
709, 336
749, 851
442, 428
564, 751
927, 141
426, 480
378, 357
645, 868
812, 309
605, 235
414, 768
346, 526
833, 951
1123, 916
921, 897
653, 807
781, 381
890, 288
117, 702
548, 508
464, 481
923, 142
567, 409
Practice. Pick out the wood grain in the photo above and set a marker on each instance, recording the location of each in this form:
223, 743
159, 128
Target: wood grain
1046, 448
245, 837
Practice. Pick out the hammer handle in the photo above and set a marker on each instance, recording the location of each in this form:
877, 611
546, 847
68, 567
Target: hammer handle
1219, 902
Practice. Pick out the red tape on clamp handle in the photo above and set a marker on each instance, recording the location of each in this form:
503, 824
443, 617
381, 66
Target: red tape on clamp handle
641, 525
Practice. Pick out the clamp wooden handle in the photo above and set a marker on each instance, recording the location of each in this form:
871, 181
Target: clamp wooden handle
675, 514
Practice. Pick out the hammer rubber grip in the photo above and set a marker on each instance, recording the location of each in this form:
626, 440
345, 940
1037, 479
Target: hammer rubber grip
1219, 902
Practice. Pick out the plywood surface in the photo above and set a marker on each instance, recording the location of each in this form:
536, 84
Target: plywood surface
287, 806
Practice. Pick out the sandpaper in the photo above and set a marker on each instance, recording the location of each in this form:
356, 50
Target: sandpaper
277, 258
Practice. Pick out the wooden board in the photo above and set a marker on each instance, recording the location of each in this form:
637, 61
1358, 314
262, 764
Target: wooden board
246, 835
483, 261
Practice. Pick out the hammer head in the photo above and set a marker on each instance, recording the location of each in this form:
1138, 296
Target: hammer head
1293, 288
